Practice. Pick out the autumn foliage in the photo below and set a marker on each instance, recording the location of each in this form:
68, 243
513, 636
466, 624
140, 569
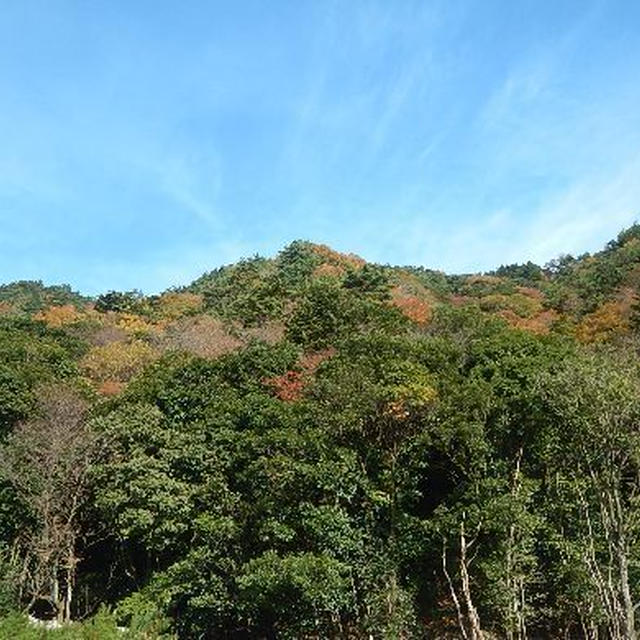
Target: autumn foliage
117, 361
173, 305
290, 386
58, 316
343, 260
413, 307
608, 321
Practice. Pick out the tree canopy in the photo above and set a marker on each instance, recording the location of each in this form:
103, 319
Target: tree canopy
312, 446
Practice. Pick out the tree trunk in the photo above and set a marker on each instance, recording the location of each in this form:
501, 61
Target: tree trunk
623, 568
516, 622
454, 595
69, 595
472, 614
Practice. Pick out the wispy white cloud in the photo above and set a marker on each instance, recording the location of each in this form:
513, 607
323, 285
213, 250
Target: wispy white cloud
174, 266
398, 130
193, 183
584, 216
581, 217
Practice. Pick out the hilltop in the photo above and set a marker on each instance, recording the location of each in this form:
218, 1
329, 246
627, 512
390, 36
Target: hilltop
316, 296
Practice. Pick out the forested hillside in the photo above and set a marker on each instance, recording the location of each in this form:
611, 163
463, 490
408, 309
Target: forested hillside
313, 446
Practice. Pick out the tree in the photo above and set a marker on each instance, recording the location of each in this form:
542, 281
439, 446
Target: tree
117, 361
123, 301
595, 400
47, 461
299, 594
370, 280
296, 263
30, 355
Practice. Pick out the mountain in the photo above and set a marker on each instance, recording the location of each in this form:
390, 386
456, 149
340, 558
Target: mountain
314, 446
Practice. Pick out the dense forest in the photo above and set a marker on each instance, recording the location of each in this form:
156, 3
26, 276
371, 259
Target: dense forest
313, 446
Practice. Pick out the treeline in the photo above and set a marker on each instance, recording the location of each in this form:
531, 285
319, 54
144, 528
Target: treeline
312, 446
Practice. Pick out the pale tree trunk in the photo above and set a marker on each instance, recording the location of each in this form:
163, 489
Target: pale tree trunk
69, 595
612, 580
454, 595
515, 583
603, 585
468, 619
623, 568
472, 613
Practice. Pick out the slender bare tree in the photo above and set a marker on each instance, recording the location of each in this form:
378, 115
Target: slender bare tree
47, 460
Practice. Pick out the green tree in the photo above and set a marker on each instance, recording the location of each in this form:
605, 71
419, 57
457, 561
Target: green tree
595, 401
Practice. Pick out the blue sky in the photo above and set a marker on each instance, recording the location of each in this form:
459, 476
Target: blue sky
144, 142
